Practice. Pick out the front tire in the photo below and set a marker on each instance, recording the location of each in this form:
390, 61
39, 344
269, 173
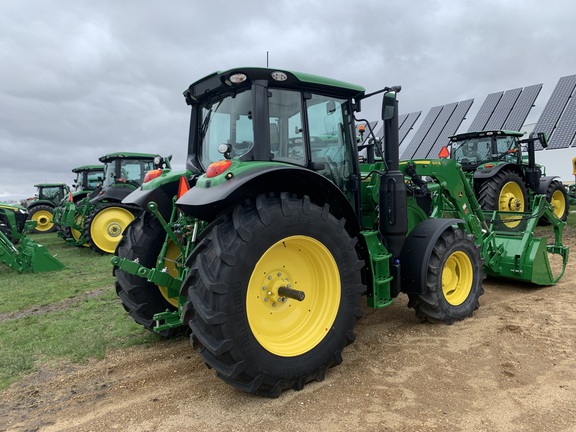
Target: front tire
557, 195
506, 192
104, 227
453, 281
142, 241
256, 338
42, 214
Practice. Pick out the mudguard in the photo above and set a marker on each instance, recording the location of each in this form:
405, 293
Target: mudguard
482, 174
114, 194
544, 183
417, 250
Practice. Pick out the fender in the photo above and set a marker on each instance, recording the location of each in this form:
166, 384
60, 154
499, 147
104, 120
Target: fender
417, 250
483, 173
113, 194
160, 190
207, 203
544, 183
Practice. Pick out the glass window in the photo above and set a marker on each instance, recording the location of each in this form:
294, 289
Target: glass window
328, 125
473, 151
228, 121
286, 140
134, 170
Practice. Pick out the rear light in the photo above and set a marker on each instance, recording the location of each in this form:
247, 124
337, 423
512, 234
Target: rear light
70, 198
489, 166
183, 186
151, 175
217, 168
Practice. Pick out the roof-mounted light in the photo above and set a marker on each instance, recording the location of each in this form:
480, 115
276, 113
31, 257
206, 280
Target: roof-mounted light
279, 76
238, 78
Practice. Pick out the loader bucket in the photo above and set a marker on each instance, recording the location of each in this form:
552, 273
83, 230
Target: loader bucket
29, 256
522, 256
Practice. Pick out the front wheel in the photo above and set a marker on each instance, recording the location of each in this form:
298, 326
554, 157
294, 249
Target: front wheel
557, 195
453, 281
104, 227
273, 294
42, 214
505, 192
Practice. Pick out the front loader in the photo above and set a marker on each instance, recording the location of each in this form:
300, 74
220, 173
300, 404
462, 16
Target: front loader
263, 249
17, 250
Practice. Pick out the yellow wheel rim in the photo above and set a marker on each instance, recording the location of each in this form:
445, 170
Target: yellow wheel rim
559, 203
285, 326
79, 221
457, 277
511, 199
43, 220
107, 227
171, 263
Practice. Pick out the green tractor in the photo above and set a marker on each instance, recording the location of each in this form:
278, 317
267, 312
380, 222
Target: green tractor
88, 178
502, 177
16, 249
41, 207
99, 219
264, 247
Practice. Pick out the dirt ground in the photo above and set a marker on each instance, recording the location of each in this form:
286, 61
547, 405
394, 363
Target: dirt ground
512, 366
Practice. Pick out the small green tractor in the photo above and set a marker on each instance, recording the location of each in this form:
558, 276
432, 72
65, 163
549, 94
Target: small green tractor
16, 249
88, 178
41, 207
505, 179
264, 246
99, 219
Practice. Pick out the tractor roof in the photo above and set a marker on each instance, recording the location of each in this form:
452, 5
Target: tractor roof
88, 168
126, 155
12, 207
51, 185
220, 82
468, 135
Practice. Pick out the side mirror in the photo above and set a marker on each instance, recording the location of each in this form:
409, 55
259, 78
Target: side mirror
542, 139
389, 102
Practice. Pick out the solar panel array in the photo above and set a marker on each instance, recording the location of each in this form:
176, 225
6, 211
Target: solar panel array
440, 122
407, 124
522, 108
485, 112
558, 119
503, 109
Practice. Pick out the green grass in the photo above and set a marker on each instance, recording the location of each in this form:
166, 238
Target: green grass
67, 315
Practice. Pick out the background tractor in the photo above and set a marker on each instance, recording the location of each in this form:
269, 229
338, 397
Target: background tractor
41, 207
16, 249
264, 247
88, 178
99, 219
503, 177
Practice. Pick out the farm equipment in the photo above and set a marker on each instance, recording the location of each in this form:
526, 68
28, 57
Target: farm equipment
572, 188
88, 178
17, 250
265, 246
41, 207
502, 178
99, 219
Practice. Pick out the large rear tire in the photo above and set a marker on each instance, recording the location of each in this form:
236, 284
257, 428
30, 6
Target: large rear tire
257, 338
142, 241
104, 227
557, 195
453, 282
505, 191
42, 214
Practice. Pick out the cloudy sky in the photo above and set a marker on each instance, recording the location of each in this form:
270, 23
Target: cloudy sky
79, 79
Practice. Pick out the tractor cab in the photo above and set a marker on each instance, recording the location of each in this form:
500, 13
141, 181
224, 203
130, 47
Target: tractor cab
474, 149
88, 177
51, 192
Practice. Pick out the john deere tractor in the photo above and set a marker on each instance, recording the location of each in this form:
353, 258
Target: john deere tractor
17, 250
264, 247
88, 178
99, 219
41, 207
503, 177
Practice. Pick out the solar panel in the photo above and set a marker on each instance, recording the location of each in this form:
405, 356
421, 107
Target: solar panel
502, 109
522, 107
421, 133
564, 133
451, 127
407, 125
485, 112
435, 130
554, 107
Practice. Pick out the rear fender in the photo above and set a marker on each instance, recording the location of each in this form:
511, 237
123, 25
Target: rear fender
483, 173
544, 183
416, 253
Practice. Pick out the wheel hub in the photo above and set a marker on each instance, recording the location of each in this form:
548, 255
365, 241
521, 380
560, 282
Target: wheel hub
270, 286
114, 229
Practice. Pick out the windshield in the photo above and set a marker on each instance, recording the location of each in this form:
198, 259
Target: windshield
130, 171
472, 151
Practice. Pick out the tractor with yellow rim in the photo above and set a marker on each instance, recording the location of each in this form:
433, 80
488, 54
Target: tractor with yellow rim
41, 207
264, 247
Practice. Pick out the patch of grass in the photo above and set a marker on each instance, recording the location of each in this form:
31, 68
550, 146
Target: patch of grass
68, 315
